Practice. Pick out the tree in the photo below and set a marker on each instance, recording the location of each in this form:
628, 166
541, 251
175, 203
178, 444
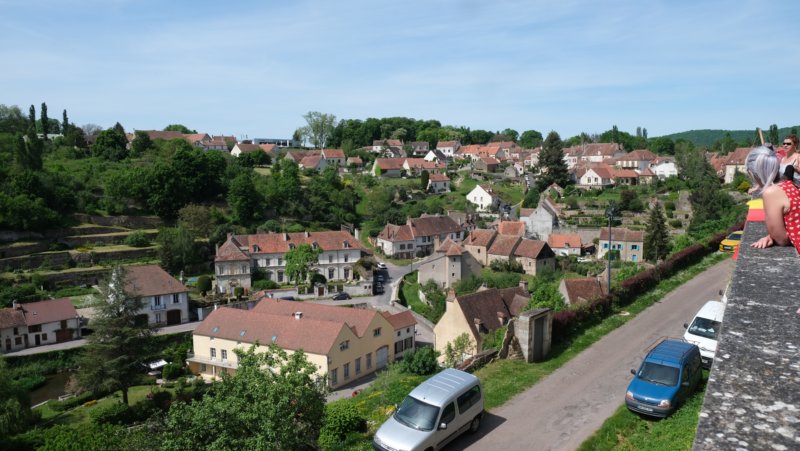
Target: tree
247, 204
424, 178
45, 121
274, 401
422, 361
116, 352
299, 261
656, 236
551, 166
64, 123
91, 129
773, 134
204, 284
457, 350
319, 128
197, 219
530, 139
141, 143
531, 199
179, 128
662, 146
111, 144
28, 153
32, 118
176, 249
15, 405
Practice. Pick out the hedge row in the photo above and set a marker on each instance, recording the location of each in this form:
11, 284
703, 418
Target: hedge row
569, 322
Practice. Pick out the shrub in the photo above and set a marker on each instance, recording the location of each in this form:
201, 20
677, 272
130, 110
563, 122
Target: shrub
676, 223
341, 418
238, 292
117, 413
265, 285
421, 361
137, 239
71, 403
204, 284
172, 371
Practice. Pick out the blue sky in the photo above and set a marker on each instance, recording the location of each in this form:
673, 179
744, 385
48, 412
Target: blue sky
255, 67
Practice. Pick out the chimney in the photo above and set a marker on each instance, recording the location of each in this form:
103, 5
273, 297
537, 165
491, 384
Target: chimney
306, 232
502, 317
298, 315
15, 305
285, 236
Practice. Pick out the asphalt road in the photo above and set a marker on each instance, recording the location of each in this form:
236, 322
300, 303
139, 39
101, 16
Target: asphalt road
565, 408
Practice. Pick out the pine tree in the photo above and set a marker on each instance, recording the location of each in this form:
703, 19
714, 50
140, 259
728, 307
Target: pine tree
32, 118
773, 134
45, 121
64, 123
116, 352
552, 167
656, 238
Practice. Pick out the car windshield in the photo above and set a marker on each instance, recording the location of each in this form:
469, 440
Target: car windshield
417, 414
704, 327
735, 236
659, 374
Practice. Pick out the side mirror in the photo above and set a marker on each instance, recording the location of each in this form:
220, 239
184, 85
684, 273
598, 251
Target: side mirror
633, 371
685, 383
443, 426
685, 326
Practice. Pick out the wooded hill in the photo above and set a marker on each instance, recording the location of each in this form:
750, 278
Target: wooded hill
706, 138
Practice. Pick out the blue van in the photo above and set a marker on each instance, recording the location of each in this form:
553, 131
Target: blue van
668, 375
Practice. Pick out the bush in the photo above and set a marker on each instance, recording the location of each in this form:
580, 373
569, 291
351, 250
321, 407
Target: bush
341, 418
118, 413
172, 371
71, 403
204, 284
421, 361
238, 292
265, 285
137, 239
676, 223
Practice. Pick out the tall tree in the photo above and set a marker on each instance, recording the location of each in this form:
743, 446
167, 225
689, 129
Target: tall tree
551, 166
299, 261
319, 128
15, 405
773, 134
275, 400
176, 249
247, 204
64, 122
45, 121
141, 143
32, 118
530, 139
424, 179
28, 153
656, 236
117, 350
614, 134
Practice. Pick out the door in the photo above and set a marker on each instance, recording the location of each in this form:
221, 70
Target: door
38, 339
320, 291
63, 335
8, 344
538, 340
383, 356
174, 317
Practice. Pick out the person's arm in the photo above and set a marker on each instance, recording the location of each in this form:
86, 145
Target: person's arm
775, 203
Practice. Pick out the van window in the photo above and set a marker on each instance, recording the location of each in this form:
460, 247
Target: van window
417, 414
469, 398
704, 327
660, 374
449, 413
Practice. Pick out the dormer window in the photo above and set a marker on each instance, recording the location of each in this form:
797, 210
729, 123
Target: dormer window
291, 245
345, 244
314, 245
256, 248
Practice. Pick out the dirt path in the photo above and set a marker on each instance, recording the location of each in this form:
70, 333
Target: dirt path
564, 409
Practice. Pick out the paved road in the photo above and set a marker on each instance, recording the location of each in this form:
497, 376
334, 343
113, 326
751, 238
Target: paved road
565, 408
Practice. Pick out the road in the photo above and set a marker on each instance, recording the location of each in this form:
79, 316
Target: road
565, 408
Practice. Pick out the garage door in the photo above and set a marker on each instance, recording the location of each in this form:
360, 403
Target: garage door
174, 317
383, 356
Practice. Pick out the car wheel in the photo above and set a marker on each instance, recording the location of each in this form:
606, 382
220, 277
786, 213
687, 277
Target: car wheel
475, 425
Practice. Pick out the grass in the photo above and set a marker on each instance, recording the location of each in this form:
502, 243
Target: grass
626, 430
506, 378
409, 294
82, 414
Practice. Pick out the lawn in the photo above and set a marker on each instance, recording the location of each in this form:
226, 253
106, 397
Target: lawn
82, 414
409, 295
626, 430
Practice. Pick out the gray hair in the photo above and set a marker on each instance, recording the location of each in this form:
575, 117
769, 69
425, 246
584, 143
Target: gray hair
762, 165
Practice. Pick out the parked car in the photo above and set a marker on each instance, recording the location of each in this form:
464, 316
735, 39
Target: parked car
668, 375
378, 288
381, 266
287, 298
434, 413
704, 329
730, 243
379, 277
341, 296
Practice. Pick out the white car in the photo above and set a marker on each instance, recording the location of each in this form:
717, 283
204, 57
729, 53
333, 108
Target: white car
381, 266
704, 330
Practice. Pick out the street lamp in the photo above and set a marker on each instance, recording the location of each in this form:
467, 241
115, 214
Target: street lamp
611, 210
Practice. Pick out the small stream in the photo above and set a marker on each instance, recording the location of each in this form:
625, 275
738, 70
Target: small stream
52, 389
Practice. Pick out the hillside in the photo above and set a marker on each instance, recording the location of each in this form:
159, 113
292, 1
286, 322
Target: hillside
707, 137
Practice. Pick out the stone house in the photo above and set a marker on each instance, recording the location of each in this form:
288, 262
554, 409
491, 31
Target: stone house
38, 323
581, 290
447, 265
629, 243
418, 235
165, 299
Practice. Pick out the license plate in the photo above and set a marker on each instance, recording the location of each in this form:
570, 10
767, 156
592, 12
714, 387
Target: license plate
646, 409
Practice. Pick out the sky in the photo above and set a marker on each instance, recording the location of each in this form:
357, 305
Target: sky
254, 68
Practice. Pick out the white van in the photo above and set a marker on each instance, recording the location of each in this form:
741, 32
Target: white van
434, 413
704, 330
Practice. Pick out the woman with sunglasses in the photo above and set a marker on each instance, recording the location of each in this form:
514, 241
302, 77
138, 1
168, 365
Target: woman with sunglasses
788, 156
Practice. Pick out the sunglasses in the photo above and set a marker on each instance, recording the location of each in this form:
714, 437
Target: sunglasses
788, 144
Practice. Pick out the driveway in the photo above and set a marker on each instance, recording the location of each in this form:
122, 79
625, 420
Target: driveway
565, 408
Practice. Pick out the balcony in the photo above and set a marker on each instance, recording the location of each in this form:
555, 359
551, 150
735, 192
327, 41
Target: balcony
158, 307
752, 399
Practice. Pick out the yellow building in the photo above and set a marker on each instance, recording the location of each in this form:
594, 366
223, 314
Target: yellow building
344, 343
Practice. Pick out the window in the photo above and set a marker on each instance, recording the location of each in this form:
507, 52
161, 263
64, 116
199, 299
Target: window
346, 371
244, 269
358, 365
448, 413
158, 318
63, 324
376, 332
203, 368
331, 273
345, 345
398, 347
408, 330
280, 261
156, 300
224, 355
346, 258
402, 247
44, 337
469, 398
17, 341
334, 376
16, 331
605, 245
398, 333
176, 298
36, 328
280, 276
408, 343
634, 247
369, 360
213, 353
346, 273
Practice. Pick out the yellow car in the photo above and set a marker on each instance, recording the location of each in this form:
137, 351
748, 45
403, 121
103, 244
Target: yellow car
730, 243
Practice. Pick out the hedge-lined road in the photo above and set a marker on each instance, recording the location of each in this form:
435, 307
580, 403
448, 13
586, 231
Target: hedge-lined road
565, 408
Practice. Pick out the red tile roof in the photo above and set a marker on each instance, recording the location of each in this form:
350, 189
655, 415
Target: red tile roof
511, 228
638, 155
392, 232
249, 326
438, 178
333, 153
433, 225
51, 311
311, 161
388, 164
533, 249
11, 317
230, 251
564, 240
151, 280
583, 289
443, 144
480, 237
620, 234
504, 245
278, 243
450, 248
357, 319
400, 320
488, 305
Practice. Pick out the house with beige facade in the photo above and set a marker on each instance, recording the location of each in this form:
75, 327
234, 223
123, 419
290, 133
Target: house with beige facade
240, 255
448, 265
629, 243
165, 300
478, 314
25, 325
581, 290
344, 344
487, 246
418, 236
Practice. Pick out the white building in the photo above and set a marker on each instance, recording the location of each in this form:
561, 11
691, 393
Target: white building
165, 299
38, 323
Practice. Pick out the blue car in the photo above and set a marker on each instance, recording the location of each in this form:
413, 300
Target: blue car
668, 375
